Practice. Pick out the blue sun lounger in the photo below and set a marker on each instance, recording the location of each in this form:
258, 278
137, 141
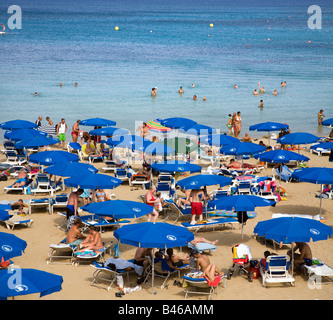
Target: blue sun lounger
209, 223
100, 222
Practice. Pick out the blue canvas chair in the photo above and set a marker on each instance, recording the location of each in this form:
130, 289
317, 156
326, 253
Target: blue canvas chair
286, 173
276, 270
122, 174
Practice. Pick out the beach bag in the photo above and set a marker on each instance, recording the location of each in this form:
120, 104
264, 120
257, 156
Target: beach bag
120, 282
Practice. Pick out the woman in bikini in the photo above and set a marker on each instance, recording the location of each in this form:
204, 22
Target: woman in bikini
75, 130
93, 240
151, 200
100, 196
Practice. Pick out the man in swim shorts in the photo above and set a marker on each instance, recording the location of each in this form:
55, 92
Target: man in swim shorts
72, 203
196, 205
61, 132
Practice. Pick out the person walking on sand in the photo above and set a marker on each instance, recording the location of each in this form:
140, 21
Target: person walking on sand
196, 204
61, 132
75, 130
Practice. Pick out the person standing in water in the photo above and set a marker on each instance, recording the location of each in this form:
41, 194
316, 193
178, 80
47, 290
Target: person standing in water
321, 116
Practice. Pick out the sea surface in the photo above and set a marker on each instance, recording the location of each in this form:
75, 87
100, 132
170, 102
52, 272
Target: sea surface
167, 44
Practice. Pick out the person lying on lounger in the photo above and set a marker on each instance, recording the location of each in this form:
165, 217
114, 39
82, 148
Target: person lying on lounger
177, 259
21, 181
238, 165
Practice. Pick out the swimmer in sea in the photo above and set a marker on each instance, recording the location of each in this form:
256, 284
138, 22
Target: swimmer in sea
255, 92
283, 84
195, 97
274, 92
181, 90
36, 94
320, 116
60, 84
204, 98
261, 89
154, 92
235, 86
193, 85
261, 105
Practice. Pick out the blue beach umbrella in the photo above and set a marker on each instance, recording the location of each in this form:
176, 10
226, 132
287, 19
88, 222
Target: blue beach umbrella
93, 181
21, 134
280, 156
197, 129
241, 203
268, 126
70, 169
119, 209
5, 206
176, 166
293, 229
201, 180
298, 138
11, 246
218, 140
4, 215
316, 175
323, 145
177, 122
109, 131
132, 142
35, 142
28, 281
328, 122
153, 235
242, 148
48, 158
18, 124
97, 122
156, 148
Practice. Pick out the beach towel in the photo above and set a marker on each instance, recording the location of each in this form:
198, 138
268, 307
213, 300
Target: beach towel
122, 264
215, 282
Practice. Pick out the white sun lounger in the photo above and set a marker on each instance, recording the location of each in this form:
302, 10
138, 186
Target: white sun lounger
319, 273
16, 220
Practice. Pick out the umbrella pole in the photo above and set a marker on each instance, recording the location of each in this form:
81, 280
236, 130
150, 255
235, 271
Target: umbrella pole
152, 272
321, 198
292, 258
242, 227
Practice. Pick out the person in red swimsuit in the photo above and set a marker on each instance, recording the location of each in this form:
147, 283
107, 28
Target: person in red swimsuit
151, 200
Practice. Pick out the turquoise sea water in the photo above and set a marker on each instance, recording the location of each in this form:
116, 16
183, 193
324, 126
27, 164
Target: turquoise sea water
167, 44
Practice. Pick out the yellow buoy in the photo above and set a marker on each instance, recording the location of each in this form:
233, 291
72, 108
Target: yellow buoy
211, 25
116, 28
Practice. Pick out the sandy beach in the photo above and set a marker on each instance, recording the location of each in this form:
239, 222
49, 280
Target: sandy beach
76, 285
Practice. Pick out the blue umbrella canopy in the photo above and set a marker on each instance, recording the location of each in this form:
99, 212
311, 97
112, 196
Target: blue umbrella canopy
21, 134
28, 281
197, 129
109, 131
70, 169
18, 124
280, 156
268, 126
132, 142
201, 180
328, 122
154, 235
176, 166
177, 122
11, 246
4, 215
119, 209
48, 158
97, 122
323, 145
293, 229
35, 142
93, 181
242, 148
5, 206
241, 203
298, 138
218, 140
156, 148
316, 175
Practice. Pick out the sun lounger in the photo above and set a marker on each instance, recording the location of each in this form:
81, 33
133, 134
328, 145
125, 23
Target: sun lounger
177, 211
319, 151
209, 223
166, 190
62, 251
112, 165
24, 189
202, 247
230, 214
13, 158
101, 222
16, 220
87, 256
142, 180
318, 273
163, 270
195, 283
105, 274
276, 270
58, 201
45, 185
40, 203
122, 174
